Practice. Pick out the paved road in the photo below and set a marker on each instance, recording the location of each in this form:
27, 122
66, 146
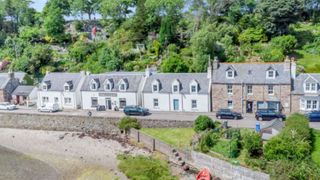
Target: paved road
247, 122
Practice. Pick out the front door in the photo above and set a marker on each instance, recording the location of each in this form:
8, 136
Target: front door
249, 106
108, 104
176, 104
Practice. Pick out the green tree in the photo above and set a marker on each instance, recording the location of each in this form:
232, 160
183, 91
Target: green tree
54, 23
118, 10
40, 55
277, 15
286, 43
127, 123
63, 5
203, 123
80, 50
82, 7
252, 142
174, 63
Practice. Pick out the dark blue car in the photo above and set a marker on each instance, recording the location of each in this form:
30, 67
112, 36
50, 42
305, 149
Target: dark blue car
228, 114
314, 116
268, 114
135, 110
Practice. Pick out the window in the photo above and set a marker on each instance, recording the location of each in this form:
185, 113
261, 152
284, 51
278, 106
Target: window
175, 88
311, 87
229, 89
122, 87
270, 90
94, 102
122, 103
45, 99
108, 87
66, 88
271, 74
194, 104
45, 87
67, 100
94, 86
249, 89
193, 89
155, 103
230, 104
155, 88
56, 100
312, 105
230, 74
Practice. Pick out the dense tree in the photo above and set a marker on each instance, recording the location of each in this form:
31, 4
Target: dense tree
54, 23
117, 9
63, 5
174, 63
82, 7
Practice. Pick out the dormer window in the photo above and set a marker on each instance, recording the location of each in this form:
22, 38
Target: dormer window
176, 86
194, 87
271, 74
45, 87
66, 87
108, 85
123, 85
156, 86
310, 87
230, 74
94, 85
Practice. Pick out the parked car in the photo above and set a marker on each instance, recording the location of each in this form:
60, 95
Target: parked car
268, 114
228, 114
314, 116
49, 108
135, 110
7, 106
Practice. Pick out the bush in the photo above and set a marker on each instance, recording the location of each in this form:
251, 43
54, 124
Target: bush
127, 123
286, 43
293, 143
252, 143
203, 123
207, 140
144, 168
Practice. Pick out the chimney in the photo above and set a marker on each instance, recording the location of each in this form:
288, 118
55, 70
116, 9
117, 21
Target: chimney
148, 72
215, 63
209, 69
287, 64
293, 68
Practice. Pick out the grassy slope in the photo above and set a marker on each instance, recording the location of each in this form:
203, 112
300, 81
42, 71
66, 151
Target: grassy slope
177, 137
316, 152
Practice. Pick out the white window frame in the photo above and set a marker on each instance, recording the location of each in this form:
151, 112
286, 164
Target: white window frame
229, 89
249, 90
273, 74
122, 87
69, 100
94, 98
95, 88
155, 87
192, 103
175, 90
108, 86
194, 88
45, 87
302, 104
311, 105
66, 88
155, 103
270, 90
231, 75
230, 103
56, 100
310, 87
45, 99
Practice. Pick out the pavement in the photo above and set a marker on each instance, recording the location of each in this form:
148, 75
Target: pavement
248, 120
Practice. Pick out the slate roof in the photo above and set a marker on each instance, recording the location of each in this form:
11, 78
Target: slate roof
276, 124
166, 80
251, 73
23, 90
56, 81
132, 79
4, 78
300, 79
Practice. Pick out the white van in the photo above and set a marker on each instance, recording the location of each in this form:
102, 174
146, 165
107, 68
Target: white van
49, 108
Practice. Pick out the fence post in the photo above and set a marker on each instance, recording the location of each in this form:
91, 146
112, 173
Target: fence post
153, 144
138, 136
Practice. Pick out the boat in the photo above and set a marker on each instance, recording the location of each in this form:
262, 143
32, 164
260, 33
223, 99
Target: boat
204, 174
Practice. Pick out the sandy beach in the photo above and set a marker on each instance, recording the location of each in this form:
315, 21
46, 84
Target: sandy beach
63, 155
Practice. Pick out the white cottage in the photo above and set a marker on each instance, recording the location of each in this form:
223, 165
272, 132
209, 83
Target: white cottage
112, 90
62, 89
188, 92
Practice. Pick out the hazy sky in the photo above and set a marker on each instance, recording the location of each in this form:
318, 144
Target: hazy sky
38, 4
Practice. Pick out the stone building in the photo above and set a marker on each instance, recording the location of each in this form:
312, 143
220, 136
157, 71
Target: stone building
8, 83
248, 87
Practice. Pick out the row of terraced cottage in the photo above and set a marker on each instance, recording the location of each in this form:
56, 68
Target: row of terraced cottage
242, 87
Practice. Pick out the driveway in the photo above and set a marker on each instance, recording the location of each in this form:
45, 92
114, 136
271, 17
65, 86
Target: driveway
248, 120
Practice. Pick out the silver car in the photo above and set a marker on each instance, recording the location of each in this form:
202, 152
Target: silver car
7, 106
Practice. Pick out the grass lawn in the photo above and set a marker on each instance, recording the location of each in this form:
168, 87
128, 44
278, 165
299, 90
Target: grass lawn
222, 147
316, 152
177, 137
308, 61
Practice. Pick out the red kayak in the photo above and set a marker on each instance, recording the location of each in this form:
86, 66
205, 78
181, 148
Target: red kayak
204, 174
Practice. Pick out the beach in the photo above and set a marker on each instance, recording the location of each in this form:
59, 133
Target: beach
33, 154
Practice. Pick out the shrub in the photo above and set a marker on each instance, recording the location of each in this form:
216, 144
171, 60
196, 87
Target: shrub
208, 139
286, 43
127, 123
252, 143
203, 123
146, 168
234, 148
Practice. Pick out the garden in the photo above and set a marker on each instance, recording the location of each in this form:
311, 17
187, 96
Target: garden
293, 154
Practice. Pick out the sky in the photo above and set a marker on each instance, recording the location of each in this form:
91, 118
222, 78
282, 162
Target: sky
38, 4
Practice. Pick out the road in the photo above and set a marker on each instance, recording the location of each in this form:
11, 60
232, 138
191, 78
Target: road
247, 122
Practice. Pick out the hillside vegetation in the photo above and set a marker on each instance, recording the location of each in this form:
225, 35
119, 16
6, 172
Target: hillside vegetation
173, 35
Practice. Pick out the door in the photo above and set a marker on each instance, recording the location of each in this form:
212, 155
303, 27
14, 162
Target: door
249, 106
108, 104
176, 104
